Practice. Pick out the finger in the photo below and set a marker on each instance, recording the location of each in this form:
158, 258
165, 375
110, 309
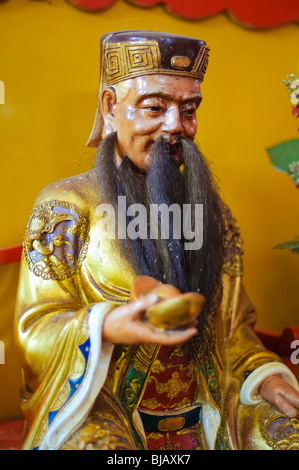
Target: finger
169, 338
285, 407
291, 395
116, 322
143, 303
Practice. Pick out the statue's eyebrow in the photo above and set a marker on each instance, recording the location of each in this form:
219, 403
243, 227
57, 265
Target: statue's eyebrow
196, 96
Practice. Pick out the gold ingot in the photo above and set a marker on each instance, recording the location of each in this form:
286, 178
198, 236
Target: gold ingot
171, 424
173, 310
176, 312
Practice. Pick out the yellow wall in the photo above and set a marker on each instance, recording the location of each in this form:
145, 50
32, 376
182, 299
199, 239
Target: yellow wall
49, 62
10, 373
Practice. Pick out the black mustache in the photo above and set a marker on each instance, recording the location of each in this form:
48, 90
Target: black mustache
173, 145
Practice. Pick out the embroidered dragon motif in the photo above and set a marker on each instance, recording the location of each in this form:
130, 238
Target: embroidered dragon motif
56, 240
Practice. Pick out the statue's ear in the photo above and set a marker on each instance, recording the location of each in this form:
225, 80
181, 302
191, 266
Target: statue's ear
103, 122
109, 100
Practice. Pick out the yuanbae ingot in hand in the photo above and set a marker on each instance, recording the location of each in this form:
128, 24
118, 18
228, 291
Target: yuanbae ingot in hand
156, 314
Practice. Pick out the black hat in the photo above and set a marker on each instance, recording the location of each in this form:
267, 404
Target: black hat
129, 54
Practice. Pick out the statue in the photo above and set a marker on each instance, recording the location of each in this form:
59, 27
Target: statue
130, 339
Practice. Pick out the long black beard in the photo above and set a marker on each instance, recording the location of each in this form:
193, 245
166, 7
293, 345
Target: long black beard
166, 259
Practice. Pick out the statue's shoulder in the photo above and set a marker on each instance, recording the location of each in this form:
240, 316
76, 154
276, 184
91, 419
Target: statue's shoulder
57, 235
79, 190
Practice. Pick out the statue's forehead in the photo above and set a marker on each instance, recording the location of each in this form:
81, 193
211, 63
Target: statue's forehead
166, 86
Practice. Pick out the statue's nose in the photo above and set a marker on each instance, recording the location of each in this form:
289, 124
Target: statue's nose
173, 121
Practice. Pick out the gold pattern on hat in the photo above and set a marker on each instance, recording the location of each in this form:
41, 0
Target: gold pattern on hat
201, 62
125, 60
131, 59
180, 62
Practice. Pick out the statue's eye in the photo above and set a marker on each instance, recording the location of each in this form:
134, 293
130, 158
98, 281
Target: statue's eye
153, 106
156, 109
188, 112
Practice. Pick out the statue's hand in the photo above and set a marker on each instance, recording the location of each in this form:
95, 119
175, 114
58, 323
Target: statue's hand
281, 395
125, 325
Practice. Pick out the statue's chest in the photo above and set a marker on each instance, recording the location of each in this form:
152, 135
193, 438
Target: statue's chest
171, 383
167, 404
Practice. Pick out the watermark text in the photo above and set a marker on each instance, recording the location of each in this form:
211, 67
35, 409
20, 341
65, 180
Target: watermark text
2, 92
173, 222
2, 353
295, 354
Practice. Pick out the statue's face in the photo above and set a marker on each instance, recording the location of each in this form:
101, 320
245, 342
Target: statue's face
155, 105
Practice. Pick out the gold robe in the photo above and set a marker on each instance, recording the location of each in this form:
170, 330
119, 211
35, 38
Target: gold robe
71, 276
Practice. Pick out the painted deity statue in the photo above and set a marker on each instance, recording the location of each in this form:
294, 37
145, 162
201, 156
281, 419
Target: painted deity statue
130, 338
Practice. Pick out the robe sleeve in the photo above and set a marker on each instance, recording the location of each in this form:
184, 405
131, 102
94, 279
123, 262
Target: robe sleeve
58, 325
249, 361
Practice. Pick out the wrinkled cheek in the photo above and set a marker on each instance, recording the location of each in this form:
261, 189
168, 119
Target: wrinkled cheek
144, 127
138, 145
152, 131
190, 130
142, 143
